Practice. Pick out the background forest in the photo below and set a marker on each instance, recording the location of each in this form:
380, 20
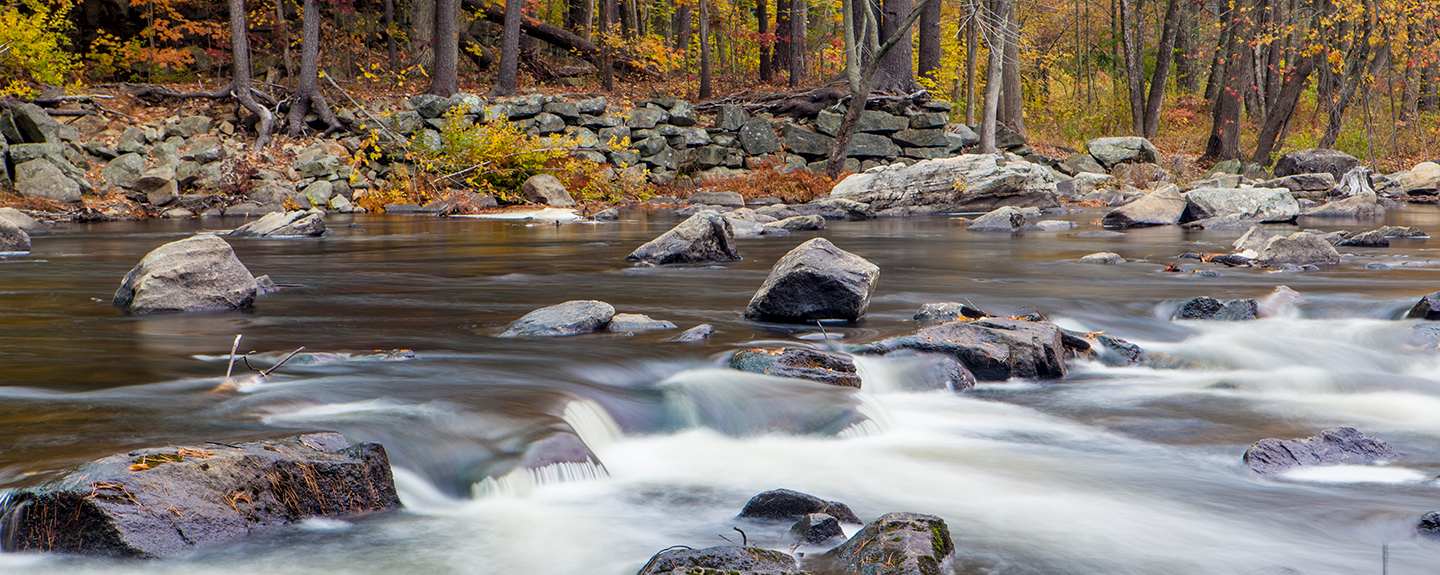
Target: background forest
1236, 80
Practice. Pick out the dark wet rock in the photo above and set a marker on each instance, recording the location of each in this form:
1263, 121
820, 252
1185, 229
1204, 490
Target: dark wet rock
636, 322
1429, 525
1401, 232
1102, 258
1002, 219
994, 349
1111, 151
546, 189
730, 199
1338, 446
606, 215
1299, 248
932, 314
1376, 266
723, 560
1314, 161
199, 273
164, 502
12, 238
790, 505
1428, 308
955, 184
1118, 352
1370, 239
283, 225
929, 372
798, 224
704, 237
570, 318
1160, 208
815, 529
815, 281
1206, 308
800, 363
700, 332
894, 544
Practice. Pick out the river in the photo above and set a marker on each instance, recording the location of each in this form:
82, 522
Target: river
1113, 470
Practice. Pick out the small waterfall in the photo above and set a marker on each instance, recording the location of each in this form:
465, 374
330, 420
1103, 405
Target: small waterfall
592, 423
521, 482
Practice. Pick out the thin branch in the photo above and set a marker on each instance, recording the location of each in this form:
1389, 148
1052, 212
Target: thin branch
367, 113
233, 347
267, 372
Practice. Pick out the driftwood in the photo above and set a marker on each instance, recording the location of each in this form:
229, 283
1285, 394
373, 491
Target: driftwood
565, 39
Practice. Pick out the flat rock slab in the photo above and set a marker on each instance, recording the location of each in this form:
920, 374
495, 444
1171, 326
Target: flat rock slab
722, 560
955, 184
894, 544
704, 237
200, 273
993, 349
790, 505
297, 223
800, 363
815, 281
932, 314
636, 322
570, 318
1337, 446
167, 501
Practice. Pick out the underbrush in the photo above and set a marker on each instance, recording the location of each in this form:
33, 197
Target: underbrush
768, 180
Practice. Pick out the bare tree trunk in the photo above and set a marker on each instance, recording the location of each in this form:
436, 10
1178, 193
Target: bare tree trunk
307, 96
1224, 142
704, 49
1428, 100
762, 25
607, 52
509, 50
989, 117
1272, 133
1185, 72
281, 38
798, 33
1354, 76
972, 50
390, 47
1215, 76
446, 81
680, 22
928, 42
897, 68
1134, 66
574, 15
781, 60
422, 32
1012, 88
240, 84
1163, 53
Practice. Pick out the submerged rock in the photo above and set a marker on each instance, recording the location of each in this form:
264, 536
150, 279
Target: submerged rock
698, 333
798, 362
789, 505
163, 502
280, 225
817, 529
722, 560
704, 237
570, 318
993, 349
199, 273
894, 544
1102, 258
1429, 525
1338, 446
815, 281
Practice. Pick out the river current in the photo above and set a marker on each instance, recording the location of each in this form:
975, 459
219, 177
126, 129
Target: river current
1116, 470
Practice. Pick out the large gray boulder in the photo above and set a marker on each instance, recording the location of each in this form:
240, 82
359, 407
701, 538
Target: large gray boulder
758, 138
12, 238
41, 178
1261, 204
799, 363
725, 559
1314, 161
1163, 207
789, 505
1001, 219
894, 544
570, 318
627, 322
994, 349
1364, 205
169, 501
199, 273
26, 223
124, 170
1338, 446
815, 281
1112, 151
955, 184
298, 223
546, 189
1299, 248
704, 237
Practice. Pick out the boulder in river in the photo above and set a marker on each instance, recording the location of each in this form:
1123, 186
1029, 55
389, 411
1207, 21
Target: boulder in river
945, 312
1001, 219
546, 189
704, 237
700, 332
1254, 239
954, 184
1337, 446
1262, 204
1314, 161
894, 544
816, 529
636, 322
299, 223
725, 559
1428, 308
798, 362
1299, 248
1429, 525
1102, 258
1212, 309
12, 238
23, 221
815, 281
1365, 205
167, 501
798, 224
1162, 207
570, 318
993, 349
199, 273
789, 505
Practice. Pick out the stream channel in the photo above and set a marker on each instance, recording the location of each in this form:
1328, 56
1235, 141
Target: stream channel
1124, 470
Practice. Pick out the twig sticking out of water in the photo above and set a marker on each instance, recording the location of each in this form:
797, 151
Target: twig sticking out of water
744, 540
231, 367
827, 338
267, 372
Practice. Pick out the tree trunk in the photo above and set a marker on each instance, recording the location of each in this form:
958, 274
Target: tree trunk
307, 96
972, 50
1354, 76
704, 49
1134, 66
240, 82
1271, 134
1163, 53
798, 33
390, 48
281, 37
1012, 88
1185, 72
445, 81
929, 41
574, 15
897, 69
989, 117
1215, 76
781, 60
422, 32
1428, 100
607, 52
1224, 141
509, 50
680, 23
762, 26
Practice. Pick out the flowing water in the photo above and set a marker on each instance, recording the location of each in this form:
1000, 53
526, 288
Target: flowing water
1113, 470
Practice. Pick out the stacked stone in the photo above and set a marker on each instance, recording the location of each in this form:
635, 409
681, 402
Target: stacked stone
44, 155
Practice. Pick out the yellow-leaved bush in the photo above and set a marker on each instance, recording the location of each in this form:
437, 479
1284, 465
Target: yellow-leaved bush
33, 46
